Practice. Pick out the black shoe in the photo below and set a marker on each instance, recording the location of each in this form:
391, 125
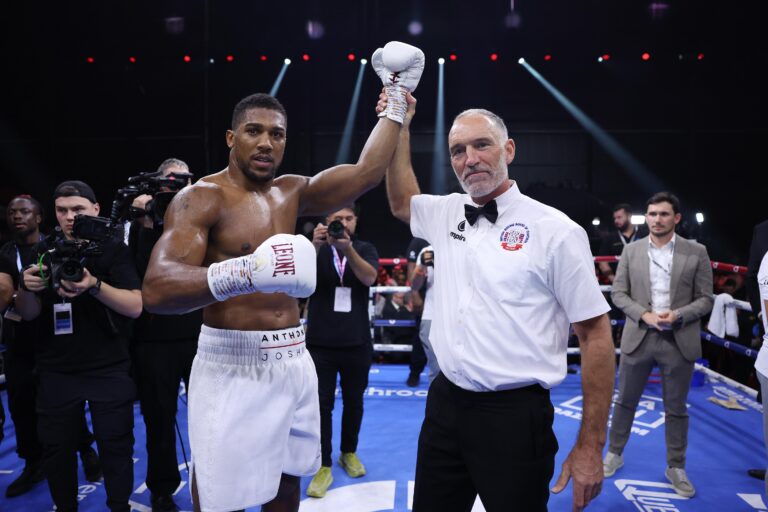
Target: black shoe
757, 473
30, 475
91, 464
163, 503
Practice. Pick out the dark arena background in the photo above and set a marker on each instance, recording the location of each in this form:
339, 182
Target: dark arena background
101, 91
616, 100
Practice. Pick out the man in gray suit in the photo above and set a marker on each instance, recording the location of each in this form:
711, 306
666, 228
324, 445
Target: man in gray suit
664, 286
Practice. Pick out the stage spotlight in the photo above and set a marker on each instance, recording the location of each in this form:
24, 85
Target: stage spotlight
211, 60
646, 56
521, 60
230, 58
132, 60
263, 58
187, 58
305, 57
494, 57
363, 61
90, 60
547, 57
700, 56
453, 56
637, 220
287, 61
415, 28
351, 57
699, 217
606, 56
441, 61
315, 29
596, 221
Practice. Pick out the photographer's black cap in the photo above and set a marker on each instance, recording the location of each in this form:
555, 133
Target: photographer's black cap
74, 188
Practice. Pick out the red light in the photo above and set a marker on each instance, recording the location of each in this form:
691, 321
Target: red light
132, 60
607, 56
187, 58
646, 56
494, 57
351, 57
547, 57
453, 56
90, 60
230, 58
700, 56
263, 58
305, 57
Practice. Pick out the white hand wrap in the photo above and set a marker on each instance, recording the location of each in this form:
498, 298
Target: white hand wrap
399, 66
281, 264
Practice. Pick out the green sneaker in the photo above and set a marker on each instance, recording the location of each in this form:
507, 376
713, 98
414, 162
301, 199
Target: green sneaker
320, 482
352, 465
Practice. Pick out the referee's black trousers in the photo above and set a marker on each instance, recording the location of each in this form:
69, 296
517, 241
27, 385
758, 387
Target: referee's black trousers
60, 402
352, 365
499, 445
159, 367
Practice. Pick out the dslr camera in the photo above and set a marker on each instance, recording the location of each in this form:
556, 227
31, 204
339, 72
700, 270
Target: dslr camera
161, 188
427, 258
65, 258
336, 229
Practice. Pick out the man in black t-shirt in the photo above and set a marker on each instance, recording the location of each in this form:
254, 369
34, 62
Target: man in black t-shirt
614, 241
24, 215
82, 354
339, 336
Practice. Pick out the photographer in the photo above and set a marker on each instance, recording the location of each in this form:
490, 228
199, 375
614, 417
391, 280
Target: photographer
162, 349
339, 336
24, 215
82, 351
421, 273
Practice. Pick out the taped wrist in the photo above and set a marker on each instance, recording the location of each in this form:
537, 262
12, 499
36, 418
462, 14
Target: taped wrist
231, 277
396, 103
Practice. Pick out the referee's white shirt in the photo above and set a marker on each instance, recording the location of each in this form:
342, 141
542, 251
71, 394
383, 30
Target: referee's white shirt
508, 291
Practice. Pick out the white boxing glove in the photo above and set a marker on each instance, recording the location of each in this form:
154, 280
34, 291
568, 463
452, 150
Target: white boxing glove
281, 264
399, 66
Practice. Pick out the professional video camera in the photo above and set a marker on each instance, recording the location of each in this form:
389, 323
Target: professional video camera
65, 258
161, 188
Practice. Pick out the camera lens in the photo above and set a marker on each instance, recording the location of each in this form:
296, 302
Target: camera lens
336, 229
71, 270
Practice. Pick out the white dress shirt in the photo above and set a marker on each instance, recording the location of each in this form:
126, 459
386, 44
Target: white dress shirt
761, 364
505, 293
660, 266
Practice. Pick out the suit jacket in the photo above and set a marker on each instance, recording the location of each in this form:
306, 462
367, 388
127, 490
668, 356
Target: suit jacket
690, 293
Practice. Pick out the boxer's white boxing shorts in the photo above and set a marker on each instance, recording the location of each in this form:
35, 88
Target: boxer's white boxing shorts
253, 414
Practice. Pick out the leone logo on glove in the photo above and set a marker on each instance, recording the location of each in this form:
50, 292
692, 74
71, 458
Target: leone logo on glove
285, 264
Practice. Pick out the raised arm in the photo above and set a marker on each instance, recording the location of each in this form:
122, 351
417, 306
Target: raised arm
175, 281
401, 180
338, 186
584, 463
399, 66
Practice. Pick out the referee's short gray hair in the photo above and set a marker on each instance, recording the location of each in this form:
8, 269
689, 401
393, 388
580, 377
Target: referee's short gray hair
172, 162
497, 121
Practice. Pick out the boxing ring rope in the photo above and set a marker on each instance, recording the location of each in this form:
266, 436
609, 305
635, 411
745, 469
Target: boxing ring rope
707, 336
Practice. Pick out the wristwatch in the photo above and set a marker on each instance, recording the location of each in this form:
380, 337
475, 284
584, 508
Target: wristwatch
96, 288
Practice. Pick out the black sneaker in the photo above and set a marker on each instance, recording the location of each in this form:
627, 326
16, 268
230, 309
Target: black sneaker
413, 380
91, 464
30, 475
163, 503
757, 473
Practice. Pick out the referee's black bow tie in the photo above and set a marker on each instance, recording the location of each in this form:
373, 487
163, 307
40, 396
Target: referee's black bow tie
488, 210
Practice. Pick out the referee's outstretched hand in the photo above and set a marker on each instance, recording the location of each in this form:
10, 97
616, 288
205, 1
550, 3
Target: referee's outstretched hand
585, 466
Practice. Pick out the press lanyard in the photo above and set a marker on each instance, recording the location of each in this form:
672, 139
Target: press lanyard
339, 264
631, 239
